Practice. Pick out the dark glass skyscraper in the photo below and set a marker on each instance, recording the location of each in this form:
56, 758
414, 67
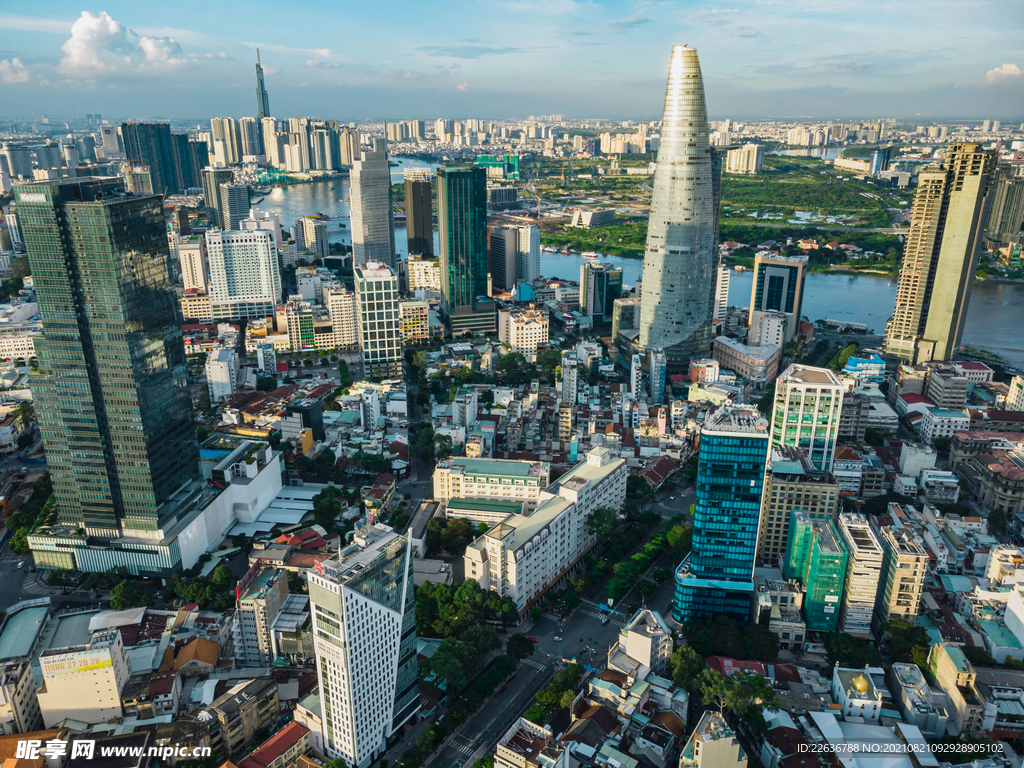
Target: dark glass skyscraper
112, 396
262, 100
462, 229
419, 216
151, 144
717, 576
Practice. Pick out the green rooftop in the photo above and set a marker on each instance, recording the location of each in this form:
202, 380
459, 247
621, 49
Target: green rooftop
958, 658
495, 467
485, 505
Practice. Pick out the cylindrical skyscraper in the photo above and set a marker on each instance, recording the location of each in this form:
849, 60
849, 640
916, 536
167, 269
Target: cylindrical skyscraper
679, 263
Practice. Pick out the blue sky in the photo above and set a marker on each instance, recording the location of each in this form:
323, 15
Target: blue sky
512, 58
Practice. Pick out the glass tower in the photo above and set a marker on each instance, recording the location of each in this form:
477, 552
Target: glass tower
419, 215
112, 397
373, 219
462, 229
717, 576
150, 144
678, 286
262, 100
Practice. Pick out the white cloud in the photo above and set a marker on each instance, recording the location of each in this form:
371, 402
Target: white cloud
219, 56
463, 85
322, 64
13, 71
101, 43
10, 21
1003, 73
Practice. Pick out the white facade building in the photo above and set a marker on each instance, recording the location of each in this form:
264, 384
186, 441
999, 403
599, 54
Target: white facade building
424, 273
380, 327
500, 479
373, 221
722, 276
195, 267
341, 306
84, 682
221, 374
523, 330
245, 281
364, 636
748, 160
937, 422
863, 571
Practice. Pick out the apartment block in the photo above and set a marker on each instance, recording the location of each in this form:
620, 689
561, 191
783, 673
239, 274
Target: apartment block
19, 705
904, 567
956, 677
863, 572
498, 479
259, 597
233, 719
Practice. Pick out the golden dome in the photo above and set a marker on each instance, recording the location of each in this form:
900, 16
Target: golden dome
860, 683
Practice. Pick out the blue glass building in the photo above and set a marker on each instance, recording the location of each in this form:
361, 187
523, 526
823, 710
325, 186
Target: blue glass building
717, 576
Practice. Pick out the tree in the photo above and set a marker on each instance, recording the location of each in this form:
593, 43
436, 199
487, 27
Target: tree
222, 577
443, 447
482, 638
336, 763
979, 657
519, 647
997, 522
850, 651
409, 759
296, 584
452, 661
128, 595
680, 538
761, 643
941, 443
907, 642
430, 737
266, 384
640, 491
687, 667
604, 524
549, 359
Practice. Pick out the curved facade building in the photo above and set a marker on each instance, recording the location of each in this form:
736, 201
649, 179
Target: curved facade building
682, 235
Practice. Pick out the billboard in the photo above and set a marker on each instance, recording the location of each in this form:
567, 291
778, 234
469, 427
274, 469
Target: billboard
79, 661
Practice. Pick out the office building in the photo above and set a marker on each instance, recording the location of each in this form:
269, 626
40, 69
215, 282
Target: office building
270, 222
1015, 396
84, 682
19, 704
259, 597
600, 286
778, 287
514, 252
523, 330
221, 374
212, 178
792, 484
625, 316
195, 266
423, 273
917, 702
758, 365
380, 329
363, 607
722, 275
497, 479
419, 214
1006, 214
678, 284
262, 100
19, 158
373, 219
904, 568
805, 415
956, 677
314, 236
415, 317
501, 257
816, 558
113, 470
190, 157
234, 205
525, 555
150, 144
644, 645
245, 281
747, 160
657, 375
462, 228
863, 571
717, 576
940, 255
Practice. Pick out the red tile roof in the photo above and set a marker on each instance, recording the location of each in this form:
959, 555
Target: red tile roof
278, 744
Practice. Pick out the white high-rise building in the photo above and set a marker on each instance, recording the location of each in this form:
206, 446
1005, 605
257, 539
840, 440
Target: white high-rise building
271, 222
259, 597
314, 236
373, 220
808, 403
636, 377
341, 306
84, 682
748, 160
863, 572
523, 330
570, 376
362, 602
245, 281
234, 204
527, 253
195, 266
423, 273
1015, 397
380, 327
722, 291
221, 374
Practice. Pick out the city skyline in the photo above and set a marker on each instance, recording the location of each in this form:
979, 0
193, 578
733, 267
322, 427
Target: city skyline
582, 59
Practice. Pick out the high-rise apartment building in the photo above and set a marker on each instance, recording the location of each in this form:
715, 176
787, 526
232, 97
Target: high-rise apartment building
778, 287
600, 286
423, 273
380, 327
815, 557
514, 253
717, 576
570, 377
747, 160
234, 205
150, 144
678, 284
195, 266
462, 227
19, 704
1006, 214
373, 220
904, 569
805, 415
940, 255
722, 276
249, 130
213, 178
863, 571
245, 281
792, 484
419, 214
363, 608
111, 394
262, 100
227, 140
341, 306
259, 597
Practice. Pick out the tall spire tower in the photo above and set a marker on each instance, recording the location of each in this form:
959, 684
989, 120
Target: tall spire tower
678, 289
262, 100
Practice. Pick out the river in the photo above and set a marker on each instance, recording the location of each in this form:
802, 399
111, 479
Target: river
994, 310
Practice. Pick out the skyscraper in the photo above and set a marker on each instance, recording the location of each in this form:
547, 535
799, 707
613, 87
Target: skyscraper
362, 602
112, 395
717, 576
501, 258
462, 229
373, 220
1006, 216
262, 100
778, 287
380, 327
150, 144
245, 281
816, 558
212, 179
600, 286
940, 255
722, 275
805, 415
234, 205
227, 140
419, 214
682, 235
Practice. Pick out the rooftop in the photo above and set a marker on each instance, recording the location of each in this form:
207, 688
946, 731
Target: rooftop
737, 418
502, 467
806, 374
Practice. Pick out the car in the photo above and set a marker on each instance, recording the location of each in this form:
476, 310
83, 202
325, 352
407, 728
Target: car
671, 497
558, 639
605, 620
534, 639
21, 565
